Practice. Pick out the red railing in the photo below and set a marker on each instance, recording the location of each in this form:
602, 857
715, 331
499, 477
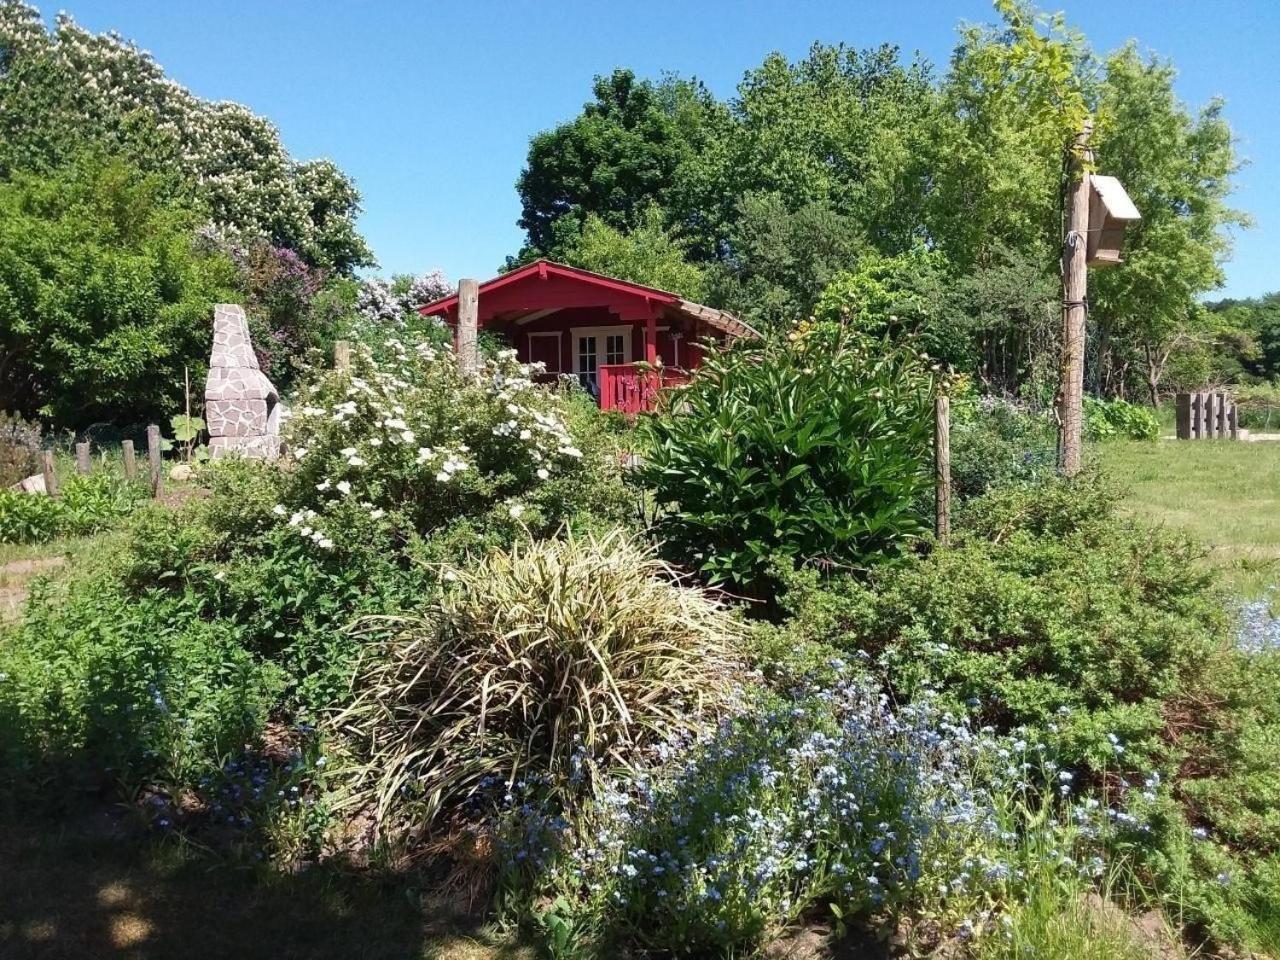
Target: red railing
633, 388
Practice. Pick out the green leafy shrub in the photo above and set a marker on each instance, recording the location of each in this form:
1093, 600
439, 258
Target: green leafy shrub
85, 505
1049, 611
813, 449
1119, 419
98, 682
997, 442
559, 661
20, 445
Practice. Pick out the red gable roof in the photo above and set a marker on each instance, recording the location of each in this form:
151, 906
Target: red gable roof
544, 285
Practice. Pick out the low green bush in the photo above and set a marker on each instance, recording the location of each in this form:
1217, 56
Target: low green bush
1119, 420
1049, 611
812, 448
559, 662
85, 505
96, 683
998, 442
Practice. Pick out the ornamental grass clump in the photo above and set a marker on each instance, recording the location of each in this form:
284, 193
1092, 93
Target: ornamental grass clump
556, 663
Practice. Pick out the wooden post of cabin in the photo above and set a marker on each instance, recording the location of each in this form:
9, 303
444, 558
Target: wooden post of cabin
83, 462
468, 320
942, 467
342, 355
1074, 294
153, 455
1182, 415
130, 459
50, 474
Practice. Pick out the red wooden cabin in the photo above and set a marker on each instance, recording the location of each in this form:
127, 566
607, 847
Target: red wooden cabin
623, 341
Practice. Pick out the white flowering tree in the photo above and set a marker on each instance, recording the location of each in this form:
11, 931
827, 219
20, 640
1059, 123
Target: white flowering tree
68, 89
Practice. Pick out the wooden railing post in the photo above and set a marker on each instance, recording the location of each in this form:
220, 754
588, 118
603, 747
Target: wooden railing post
468, 321
942, 467
50, 474
130, 459
153, 455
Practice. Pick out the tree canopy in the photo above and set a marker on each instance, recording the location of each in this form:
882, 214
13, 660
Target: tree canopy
844, 157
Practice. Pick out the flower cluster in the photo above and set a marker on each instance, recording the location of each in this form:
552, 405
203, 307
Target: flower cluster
835, 796
411, 444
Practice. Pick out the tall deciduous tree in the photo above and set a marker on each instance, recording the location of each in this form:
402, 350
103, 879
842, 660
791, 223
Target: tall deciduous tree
1177, 168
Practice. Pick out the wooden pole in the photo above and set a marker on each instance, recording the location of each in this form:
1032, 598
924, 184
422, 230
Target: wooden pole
130, 459
1074, 299
153, 454
1233, 421
468, 320
50, 474
341, 355
1210, 416
83, 462
942, 467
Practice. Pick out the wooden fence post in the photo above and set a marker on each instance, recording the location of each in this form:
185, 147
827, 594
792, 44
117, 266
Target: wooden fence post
50, 475
153, 454
342, 355
942, 467
130, 459
1210, 416
1197, 416
468, 319
1182, 406
83, 462
1222, 427
1233, 422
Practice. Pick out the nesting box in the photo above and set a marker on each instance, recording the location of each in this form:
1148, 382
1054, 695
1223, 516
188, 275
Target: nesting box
1110, 211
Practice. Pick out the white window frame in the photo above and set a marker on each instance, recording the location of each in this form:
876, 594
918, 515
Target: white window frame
600, 333
558, 335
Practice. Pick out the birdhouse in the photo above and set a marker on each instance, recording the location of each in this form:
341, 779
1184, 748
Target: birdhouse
1110, 211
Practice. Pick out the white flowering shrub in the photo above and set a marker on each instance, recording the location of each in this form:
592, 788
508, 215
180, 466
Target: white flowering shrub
411, 445
65, 89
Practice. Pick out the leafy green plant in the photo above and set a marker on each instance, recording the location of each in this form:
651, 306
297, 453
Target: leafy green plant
559, 661
811, 448
998, 442
86, 504
1119, 419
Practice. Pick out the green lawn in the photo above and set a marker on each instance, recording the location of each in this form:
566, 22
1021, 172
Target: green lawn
1225, 494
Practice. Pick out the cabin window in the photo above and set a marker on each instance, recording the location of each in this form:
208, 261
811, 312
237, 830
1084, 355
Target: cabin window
588, 361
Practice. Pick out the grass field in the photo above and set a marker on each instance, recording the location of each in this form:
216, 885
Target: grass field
1226, 495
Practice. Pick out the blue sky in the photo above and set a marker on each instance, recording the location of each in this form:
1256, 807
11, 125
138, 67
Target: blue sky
430, 105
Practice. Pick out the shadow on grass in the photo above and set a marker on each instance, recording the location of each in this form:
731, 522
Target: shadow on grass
95, 885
